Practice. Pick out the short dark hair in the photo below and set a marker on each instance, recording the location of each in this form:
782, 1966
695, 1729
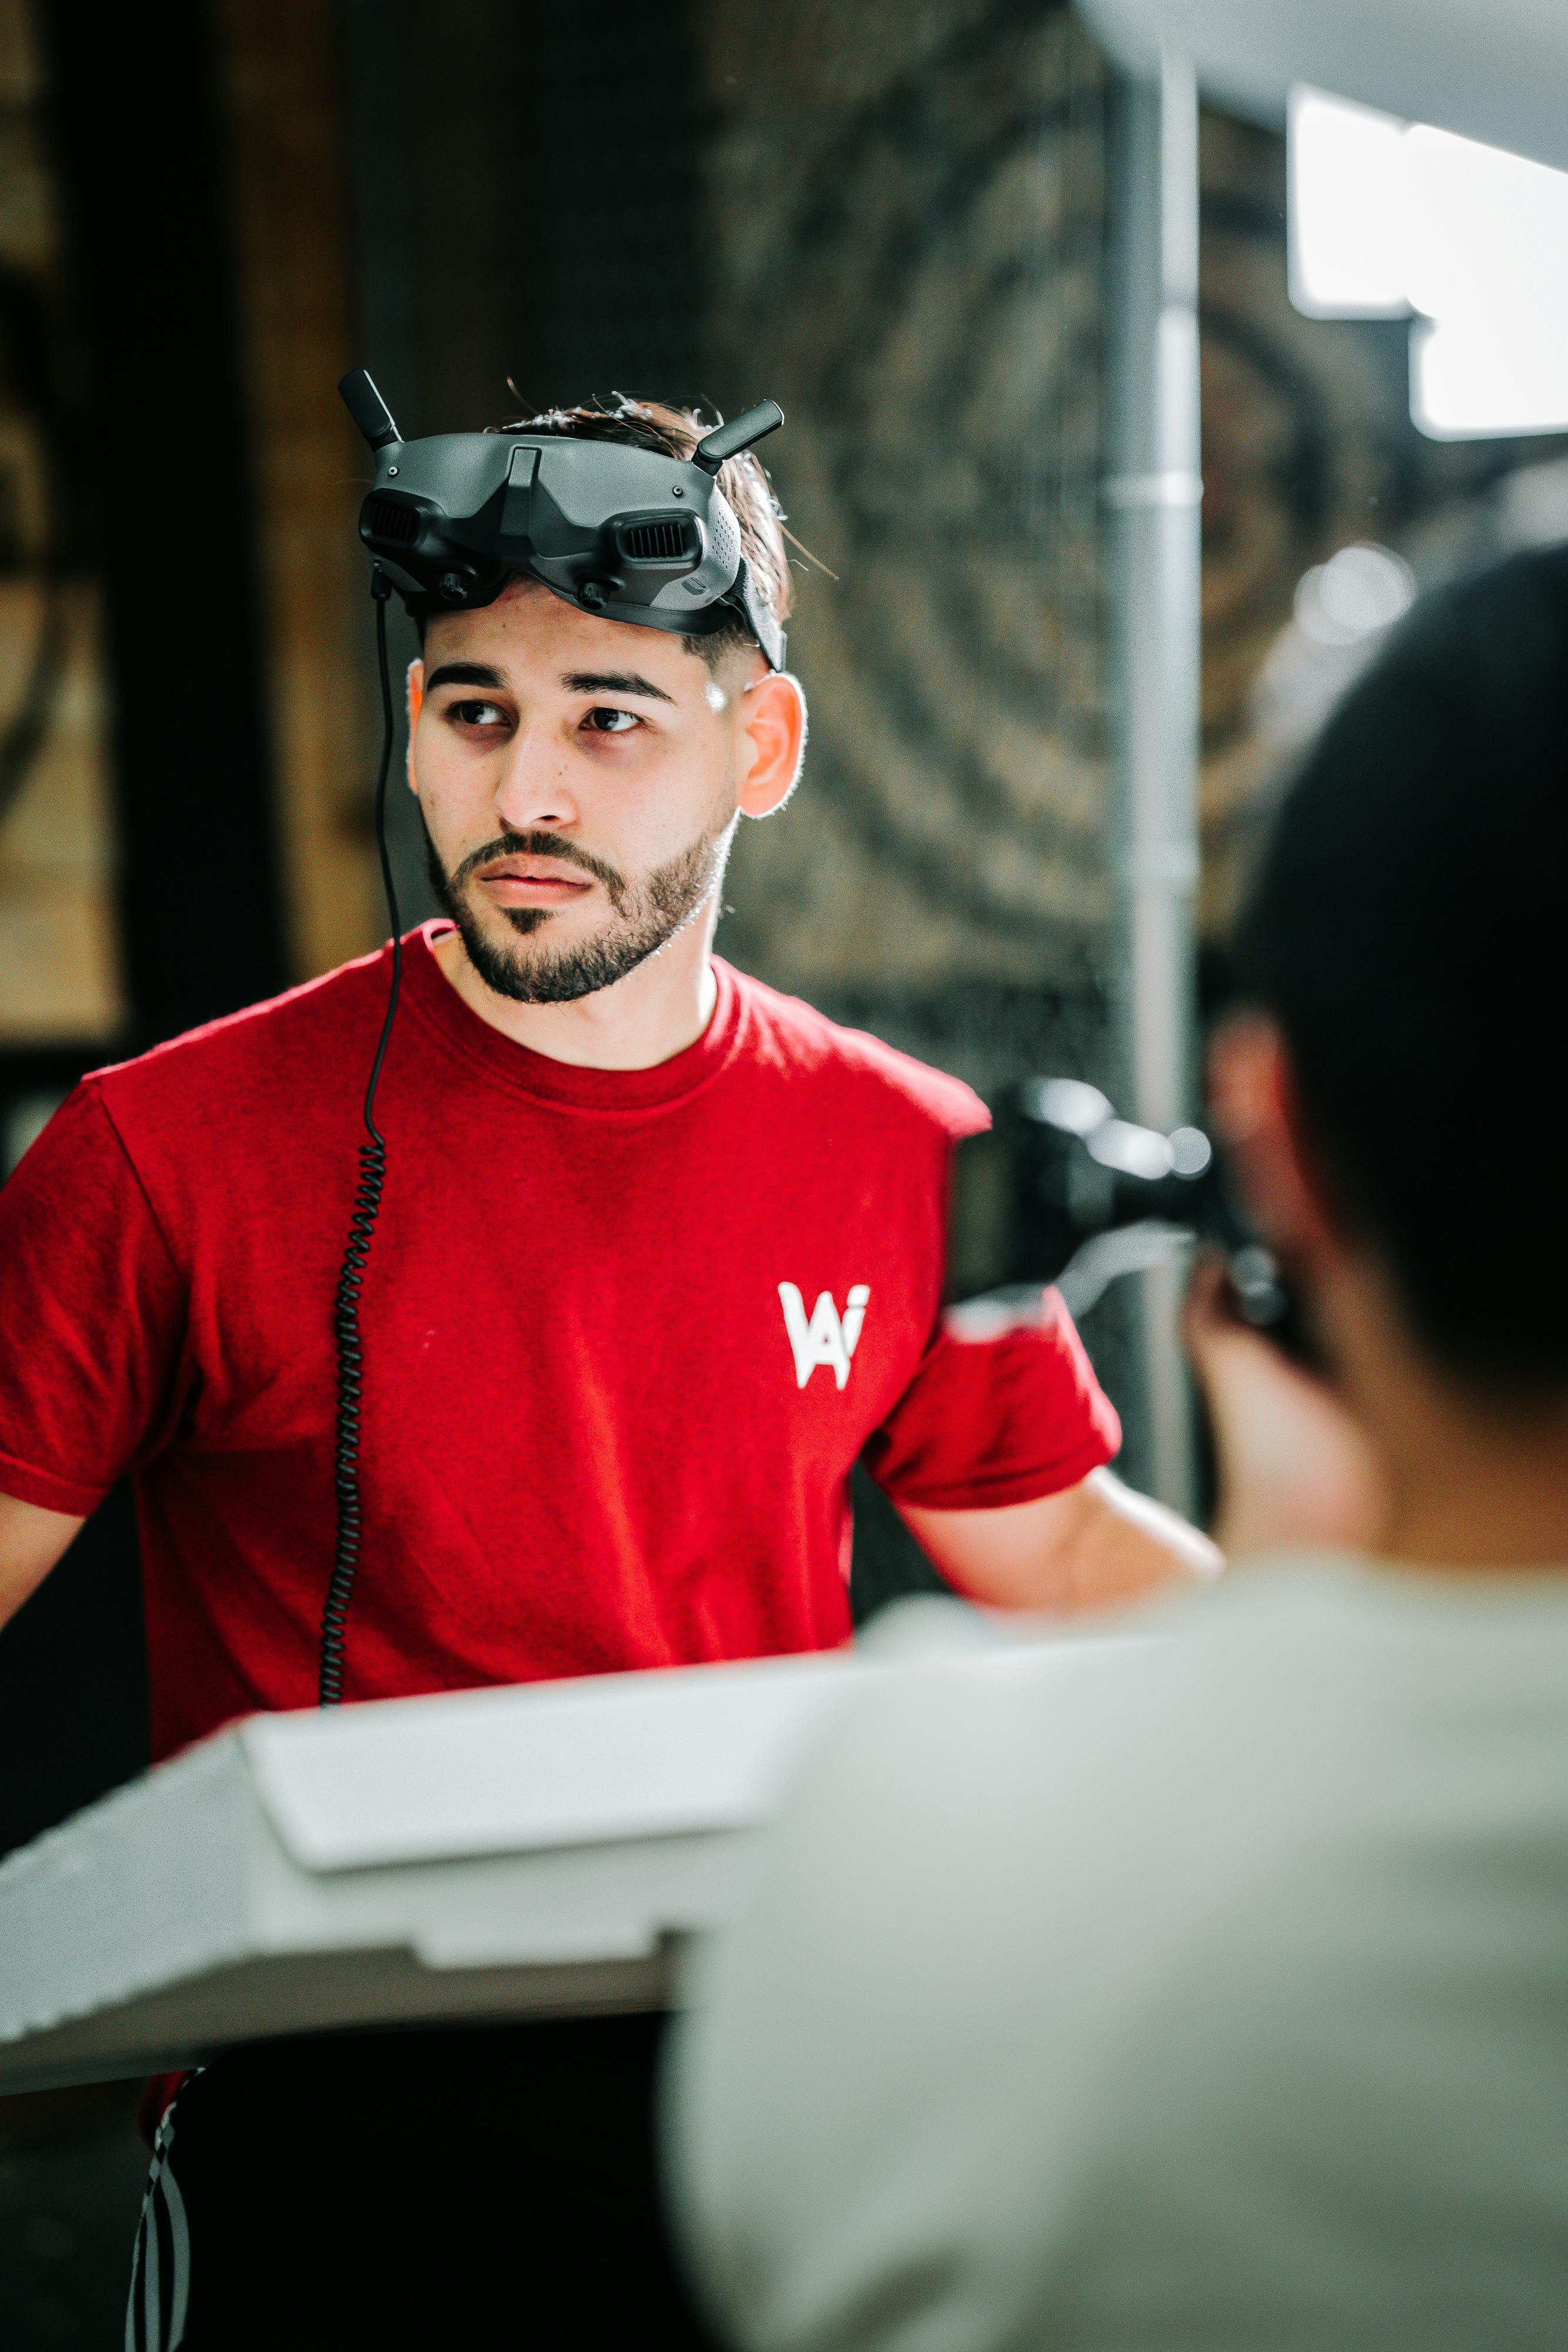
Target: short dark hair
1408, 931
674, 433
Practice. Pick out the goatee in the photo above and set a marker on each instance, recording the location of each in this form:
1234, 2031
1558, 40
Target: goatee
645, 915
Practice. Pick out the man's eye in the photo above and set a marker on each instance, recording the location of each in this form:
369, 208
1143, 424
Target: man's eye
477, 714
604, 721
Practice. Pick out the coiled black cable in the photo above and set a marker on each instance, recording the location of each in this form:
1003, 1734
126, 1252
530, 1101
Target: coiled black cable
362, 1231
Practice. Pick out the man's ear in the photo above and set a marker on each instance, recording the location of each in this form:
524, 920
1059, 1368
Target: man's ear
1256, 1107
773, 712
415, 705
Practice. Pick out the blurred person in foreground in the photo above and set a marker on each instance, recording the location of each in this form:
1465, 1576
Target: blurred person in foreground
1216, 1996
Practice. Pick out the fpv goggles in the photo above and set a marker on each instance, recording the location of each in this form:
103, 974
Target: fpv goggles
623, 533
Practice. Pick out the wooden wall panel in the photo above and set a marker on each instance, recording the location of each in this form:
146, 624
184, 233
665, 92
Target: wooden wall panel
295, 299
59, 975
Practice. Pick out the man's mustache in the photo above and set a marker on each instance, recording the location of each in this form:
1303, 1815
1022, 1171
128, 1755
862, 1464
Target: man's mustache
541, 844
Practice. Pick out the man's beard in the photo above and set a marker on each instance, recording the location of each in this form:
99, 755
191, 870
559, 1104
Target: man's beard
644, 917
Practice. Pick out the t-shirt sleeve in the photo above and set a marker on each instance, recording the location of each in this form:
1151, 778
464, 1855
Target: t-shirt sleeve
1003, 1419
93, 1316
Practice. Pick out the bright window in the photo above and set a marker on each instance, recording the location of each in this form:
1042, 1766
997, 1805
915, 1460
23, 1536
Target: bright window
1387, 218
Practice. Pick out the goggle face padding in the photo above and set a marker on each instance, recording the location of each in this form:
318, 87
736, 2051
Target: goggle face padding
624, 533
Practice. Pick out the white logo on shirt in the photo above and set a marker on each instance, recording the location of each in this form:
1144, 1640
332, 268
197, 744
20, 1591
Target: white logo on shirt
824, 1340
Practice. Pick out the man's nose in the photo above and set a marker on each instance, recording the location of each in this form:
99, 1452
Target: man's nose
533, 791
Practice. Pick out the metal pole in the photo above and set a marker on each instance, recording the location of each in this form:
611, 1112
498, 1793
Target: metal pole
1154, 495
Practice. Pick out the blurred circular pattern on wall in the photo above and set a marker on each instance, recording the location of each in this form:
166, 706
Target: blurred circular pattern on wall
922, 290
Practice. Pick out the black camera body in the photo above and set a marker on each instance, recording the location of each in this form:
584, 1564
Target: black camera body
1057, 1169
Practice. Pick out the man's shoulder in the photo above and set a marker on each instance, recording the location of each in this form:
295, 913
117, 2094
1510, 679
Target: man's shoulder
791, 1036
1299, 1711
1167, 1922
299, 1034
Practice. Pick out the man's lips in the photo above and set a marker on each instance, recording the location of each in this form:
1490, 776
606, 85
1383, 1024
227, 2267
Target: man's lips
523, 881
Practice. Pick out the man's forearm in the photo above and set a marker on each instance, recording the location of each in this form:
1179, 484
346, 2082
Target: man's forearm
1129, 1545
1097, 1546
31, 1541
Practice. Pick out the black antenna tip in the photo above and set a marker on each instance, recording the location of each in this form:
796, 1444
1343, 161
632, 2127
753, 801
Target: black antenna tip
729, 440
368, 409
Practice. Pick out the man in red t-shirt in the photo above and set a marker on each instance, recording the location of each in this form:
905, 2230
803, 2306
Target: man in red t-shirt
659, 1259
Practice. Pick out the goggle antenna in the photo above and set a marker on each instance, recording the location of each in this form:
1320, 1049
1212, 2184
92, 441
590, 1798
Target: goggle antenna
729, 440
368, 409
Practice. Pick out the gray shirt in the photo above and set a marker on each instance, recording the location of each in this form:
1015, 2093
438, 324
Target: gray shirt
1214, 1998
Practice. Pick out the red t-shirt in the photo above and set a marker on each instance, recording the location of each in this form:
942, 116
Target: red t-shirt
626, 1332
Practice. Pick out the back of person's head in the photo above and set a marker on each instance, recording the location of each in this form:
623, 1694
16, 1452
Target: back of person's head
1408, 933
674, 432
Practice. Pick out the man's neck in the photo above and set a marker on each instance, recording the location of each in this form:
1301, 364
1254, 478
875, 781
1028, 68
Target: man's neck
1480, 1492
1468, 1481
655, 1013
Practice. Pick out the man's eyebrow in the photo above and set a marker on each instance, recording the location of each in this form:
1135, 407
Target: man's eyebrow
613, 681
463, 674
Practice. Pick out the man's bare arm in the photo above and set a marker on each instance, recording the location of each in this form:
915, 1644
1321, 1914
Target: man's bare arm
31, 1541
1095, 1546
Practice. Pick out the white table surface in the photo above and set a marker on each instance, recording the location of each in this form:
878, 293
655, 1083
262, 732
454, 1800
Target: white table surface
486, 1853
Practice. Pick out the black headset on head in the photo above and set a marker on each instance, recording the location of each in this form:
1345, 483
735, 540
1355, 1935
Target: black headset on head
623, 533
